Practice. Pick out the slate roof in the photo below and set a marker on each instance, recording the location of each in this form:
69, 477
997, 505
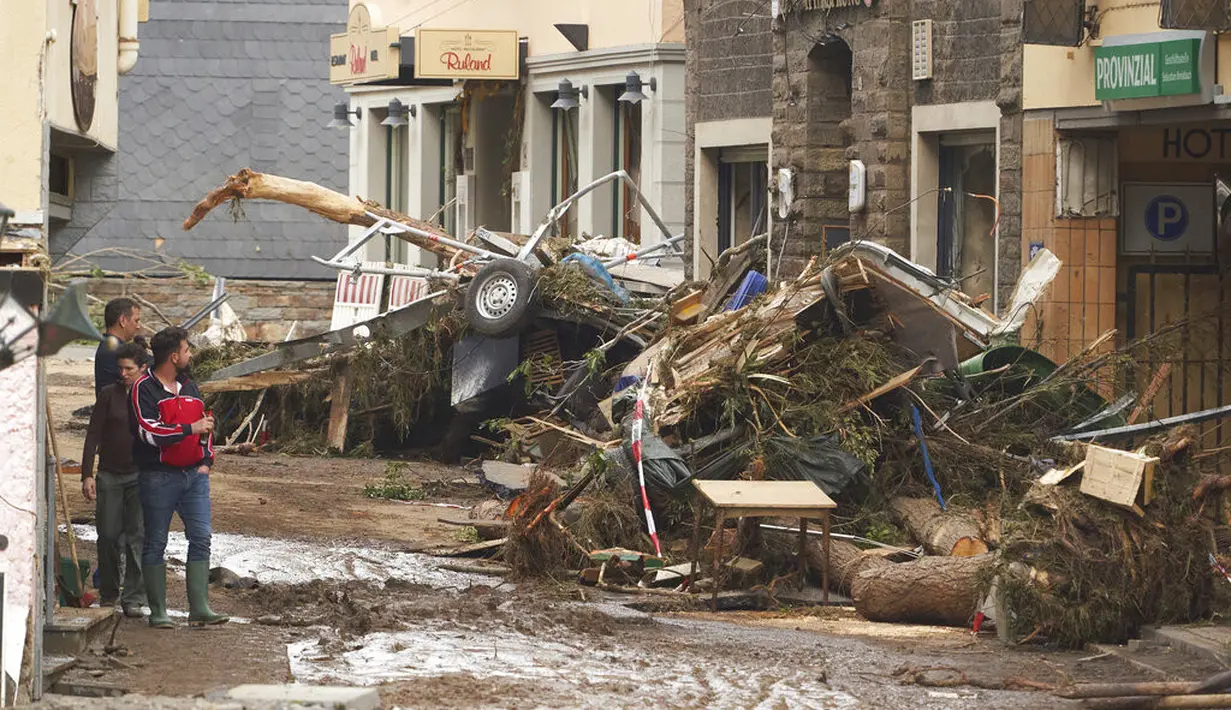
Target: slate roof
220, 85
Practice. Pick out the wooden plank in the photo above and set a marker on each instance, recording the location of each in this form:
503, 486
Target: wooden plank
258, 381
778, 495
899, 381
653, 275
339, 409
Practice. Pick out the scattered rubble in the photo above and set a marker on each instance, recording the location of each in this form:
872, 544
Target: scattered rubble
878, 381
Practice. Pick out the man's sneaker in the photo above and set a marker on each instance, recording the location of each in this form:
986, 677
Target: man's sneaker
134, 611
105, 603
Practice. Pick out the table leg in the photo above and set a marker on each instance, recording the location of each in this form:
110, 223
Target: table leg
803, 552
694, 550
825, 569
718, 525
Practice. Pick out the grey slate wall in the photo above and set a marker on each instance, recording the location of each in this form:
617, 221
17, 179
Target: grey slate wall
729, 69
220, 85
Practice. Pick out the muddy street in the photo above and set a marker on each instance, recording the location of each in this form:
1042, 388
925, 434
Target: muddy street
326, 586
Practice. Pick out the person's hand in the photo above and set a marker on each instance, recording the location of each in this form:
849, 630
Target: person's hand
203, 425
89, 488
204, 470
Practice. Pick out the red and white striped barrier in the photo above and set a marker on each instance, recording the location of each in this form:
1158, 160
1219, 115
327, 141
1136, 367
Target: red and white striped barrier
405, 290
638, 428
356, 299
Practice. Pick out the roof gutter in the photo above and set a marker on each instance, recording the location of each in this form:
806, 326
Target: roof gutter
128, 36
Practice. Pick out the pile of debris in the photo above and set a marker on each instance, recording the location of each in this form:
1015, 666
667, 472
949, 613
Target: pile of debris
975, 481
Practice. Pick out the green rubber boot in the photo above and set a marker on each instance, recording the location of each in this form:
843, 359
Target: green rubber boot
199, 613
155, 577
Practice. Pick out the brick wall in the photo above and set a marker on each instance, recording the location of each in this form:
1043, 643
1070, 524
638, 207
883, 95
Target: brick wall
728, 66
266, 308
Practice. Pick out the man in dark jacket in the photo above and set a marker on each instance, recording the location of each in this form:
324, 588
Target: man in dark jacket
174, 452
122, 321
114, 491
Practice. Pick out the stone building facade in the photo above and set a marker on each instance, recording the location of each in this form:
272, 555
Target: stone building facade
942, 154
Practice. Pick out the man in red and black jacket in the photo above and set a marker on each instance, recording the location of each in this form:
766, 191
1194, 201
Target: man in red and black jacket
173, 450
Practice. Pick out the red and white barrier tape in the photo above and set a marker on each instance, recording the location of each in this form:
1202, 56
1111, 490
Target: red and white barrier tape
638, 428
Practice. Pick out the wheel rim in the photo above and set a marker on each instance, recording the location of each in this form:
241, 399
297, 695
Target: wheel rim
496, 296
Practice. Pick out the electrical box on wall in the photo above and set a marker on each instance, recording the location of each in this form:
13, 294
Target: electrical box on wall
786, 191
921, 50
857, 198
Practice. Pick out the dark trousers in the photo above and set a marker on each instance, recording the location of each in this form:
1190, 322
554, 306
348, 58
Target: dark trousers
165, 493
117, 512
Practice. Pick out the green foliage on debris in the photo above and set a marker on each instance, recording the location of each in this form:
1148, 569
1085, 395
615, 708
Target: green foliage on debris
395, 486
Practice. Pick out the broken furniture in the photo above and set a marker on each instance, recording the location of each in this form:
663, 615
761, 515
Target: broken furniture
763, 499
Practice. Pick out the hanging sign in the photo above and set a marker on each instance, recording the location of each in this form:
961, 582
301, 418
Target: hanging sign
1147, 69
363, 52
467, 54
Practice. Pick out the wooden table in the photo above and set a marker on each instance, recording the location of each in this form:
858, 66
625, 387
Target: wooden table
764, 499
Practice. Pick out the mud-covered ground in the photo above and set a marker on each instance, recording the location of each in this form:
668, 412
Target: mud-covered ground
344, 599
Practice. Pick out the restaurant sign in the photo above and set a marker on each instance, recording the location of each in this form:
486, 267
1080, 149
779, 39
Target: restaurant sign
1147, 69
466, 54
363, 52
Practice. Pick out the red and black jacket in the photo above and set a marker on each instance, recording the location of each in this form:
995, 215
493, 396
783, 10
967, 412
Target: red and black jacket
162, 423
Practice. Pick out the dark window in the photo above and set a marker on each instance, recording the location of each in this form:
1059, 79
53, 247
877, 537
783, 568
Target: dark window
1056, 22
1213, 15
59, 176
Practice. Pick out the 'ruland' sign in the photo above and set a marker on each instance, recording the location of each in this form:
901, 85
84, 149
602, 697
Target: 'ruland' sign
1148, 69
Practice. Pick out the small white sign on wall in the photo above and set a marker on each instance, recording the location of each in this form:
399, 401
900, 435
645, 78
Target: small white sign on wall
1167, 217
857, 198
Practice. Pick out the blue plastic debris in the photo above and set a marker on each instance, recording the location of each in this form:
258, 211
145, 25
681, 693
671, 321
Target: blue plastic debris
753, 285
599, 273
927, 460
626, 381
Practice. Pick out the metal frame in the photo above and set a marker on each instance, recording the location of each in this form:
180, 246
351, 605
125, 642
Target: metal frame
344, 260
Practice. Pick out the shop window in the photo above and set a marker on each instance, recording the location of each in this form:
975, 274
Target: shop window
1088, 176
397, 250
966, 242
564, 167
743, 195
1055, 22
628, 158
1211, 15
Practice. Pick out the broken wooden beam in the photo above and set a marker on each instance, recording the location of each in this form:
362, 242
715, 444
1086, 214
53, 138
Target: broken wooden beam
339, 409
250, 185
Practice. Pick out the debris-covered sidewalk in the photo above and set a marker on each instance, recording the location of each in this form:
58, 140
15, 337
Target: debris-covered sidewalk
967, 480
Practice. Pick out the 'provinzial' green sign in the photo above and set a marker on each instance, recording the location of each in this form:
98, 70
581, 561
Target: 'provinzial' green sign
1136, 71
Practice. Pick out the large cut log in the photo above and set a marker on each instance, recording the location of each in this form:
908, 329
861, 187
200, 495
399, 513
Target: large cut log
940, 532
845, 562
250, 185
931, 590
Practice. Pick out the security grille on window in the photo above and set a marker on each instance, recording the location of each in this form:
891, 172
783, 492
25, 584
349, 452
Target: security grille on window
1213, 15
1055, 22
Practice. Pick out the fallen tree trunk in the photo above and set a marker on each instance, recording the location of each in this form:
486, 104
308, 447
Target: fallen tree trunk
940, 532
250, 185
845, 562
931, 590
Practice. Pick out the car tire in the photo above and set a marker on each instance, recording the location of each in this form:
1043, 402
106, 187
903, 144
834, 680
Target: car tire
501, 298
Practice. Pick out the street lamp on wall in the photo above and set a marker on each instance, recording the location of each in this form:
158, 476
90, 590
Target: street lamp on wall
633, 93
567, 95
5, 215
342, 113
399, 114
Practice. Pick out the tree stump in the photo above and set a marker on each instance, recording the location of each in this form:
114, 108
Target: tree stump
941, 533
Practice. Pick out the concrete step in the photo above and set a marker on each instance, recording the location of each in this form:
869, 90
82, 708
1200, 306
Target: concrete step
1211, 643
71, 631
54, 668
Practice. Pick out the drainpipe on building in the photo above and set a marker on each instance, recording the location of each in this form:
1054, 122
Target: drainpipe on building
128, 36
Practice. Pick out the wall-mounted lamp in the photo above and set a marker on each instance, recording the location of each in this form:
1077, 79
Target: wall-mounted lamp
341, 115
69, 320
399, 114
633, 85
5, 215
567, 95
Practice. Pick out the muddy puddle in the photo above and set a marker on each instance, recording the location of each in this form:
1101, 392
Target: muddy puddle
273, 561
611, 674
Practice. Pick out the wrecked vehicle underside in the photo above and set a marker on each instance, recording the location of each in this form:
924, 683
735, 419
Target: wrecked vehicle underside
971, 481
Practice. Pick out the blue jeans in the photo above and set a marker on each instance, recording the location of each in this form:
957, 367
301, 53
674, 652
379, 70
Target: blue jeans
164, 493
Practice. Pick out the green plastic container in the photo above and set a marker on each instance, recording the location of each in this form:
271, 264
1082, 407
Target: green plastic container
69, 583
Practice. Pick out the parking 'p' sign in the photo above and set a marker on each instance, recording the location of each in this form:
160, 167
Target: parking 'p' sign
1166, 218
1171, 218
